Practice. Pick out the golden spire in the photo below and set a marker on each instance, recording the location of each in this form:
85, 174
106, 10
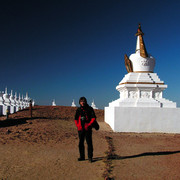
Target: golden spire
140, 43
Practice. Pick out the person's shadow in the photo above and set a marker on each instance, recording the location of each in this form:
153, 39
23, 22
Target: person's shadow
160, 153
117, 157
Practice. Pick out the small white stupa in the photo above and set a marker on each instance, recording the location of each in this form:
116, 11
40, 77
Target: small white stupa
93, 105
20, 102
73, 104
6, 107
33, 102
1, 103
53, 102
23, 102
13, 103
141, 106
17, 102
26, 99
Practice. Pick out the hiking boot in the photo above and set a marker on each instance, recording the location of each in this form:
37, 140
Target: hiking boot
81, 159
90, 160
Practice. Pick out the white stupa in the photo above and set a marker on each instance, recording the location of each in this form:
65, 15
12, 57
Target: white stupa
26, 99
73, 104
93, 105
17, 102
20, 102
1, 103
33, 103
141, 106
6, 102
23, 102
53, 102
13, 103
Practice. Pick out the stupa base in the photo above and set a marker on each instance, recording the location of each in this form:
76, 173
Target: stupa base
143, 119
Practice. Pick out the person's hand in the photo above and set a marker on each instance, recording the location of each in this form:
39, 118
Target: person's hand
86, 126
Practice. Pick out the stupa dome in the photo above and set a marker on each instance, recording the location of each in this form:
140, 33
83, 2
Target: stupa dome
140, 61
6, 95
141, 64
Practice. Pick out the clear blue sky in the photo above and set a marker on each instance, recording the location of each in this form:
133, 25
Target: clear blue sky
65, 49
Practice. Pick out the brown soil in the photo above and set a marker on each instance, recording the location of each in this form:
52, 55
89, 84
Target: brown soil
46, 147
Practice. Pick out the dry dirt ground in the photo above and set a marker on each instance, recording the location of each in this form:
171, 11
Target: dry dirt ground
46, 147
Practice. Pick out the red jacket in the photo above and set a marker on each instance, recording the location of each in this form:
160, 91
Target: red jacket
89, 115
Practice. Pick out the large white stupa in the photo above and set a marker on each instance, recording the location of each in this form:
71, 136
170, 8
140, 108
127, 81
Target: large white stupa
141, 106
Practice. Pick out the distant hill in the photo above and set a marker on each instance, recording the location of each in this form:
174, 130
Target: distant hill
57, 112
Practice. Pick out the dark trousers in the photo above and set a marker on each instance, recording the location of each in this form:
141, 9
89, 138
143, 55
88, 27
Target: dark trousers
88, 135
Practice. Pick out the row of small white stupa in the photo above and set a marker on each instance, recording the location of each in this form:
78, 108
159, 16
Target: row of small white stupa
10, 103
74, 105
92, 104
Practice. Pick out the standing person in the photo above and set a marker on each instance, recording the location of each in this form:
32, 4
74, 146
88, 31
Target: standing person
84, 119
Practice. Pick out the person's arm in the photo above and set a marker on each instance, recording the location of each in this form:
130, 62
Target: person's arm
93, 117
76, 118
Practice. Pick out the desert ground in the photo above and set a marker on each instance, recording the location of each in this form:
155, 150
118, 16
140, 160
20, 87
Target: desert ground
46, 147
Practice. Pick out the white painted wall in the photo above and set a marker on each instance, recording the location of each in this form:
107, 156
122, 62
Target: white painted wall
143, 119
109, 116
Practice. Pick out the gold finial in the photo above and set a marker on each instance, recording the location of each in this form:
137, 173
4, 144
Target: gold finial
128, 64
143, 51
139, 31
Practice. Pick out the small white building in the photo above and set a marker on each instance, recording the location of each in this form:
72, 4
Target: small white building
141, 106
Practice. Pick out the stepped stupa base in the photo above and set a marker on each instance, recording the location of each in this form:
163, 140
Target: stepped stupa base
143, 119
